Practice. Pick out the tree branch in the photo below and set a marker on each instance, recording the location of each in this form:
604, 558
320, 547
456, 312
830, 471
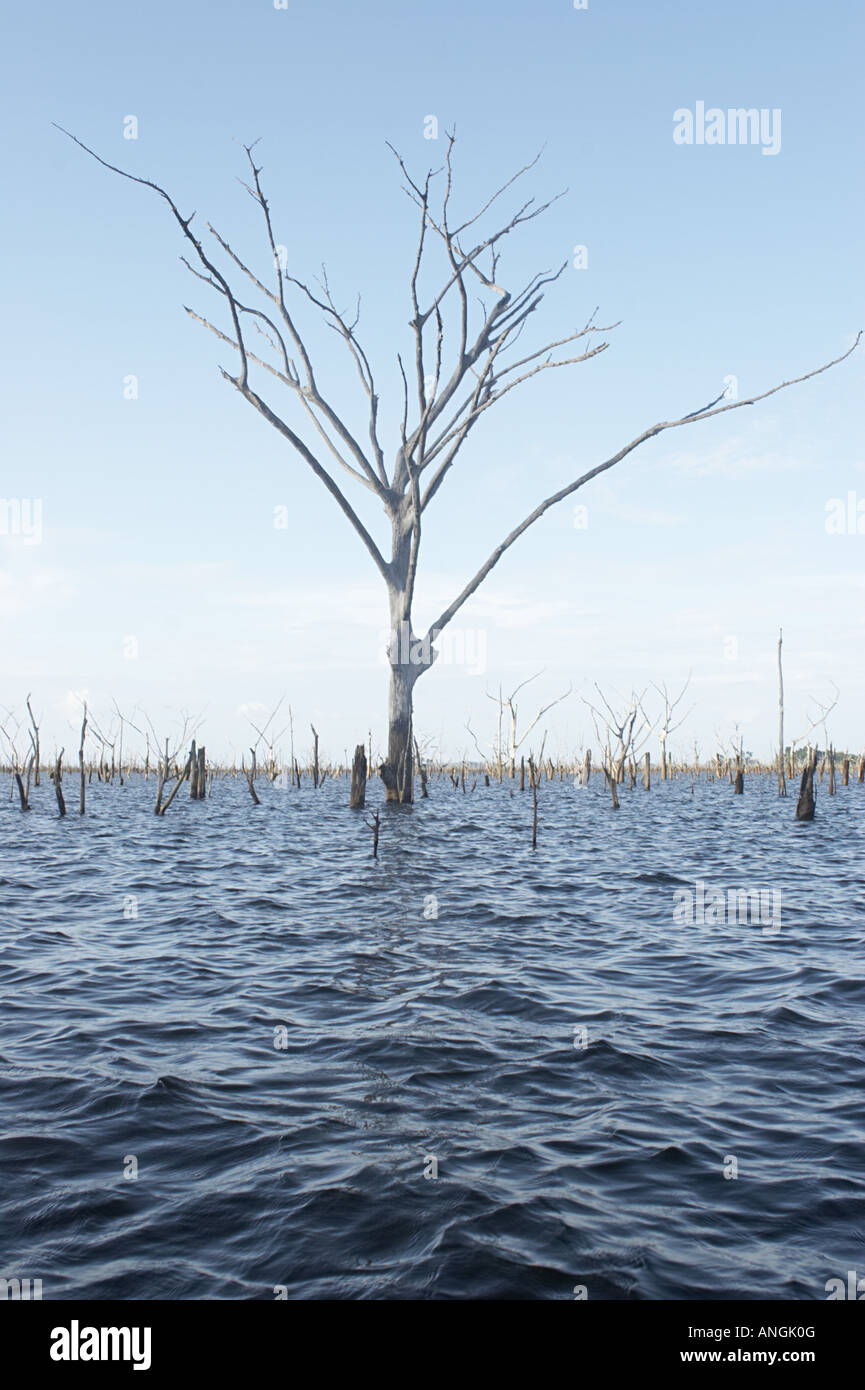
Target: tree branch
704, 414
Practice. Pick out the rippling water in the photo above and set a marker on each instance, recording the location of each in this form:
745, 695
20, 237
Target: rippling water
299, 1158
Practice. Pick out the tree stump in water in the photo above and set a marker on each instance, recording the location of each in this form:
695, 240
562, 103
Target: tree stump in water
806, 804
357, 799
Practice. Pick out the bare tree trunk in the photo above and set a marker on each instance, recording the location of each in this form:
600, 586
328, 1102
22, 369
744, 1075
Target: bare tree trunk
782, 785
25, 803
611, 781
315, 768
357, 796
534, 777
397, 772
806, 805
81, 794
58, 776
250, 779
35, 741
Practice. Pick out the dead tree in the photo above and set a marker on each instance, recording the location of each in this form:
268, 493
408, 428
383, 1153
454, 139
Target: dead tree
819, 721
34, 739
249, 774
806, 804
58, 778
664, 725
782, 783
81, 792
535, 779
181, 778
515, 738
464, 361
738, 778
630, 736
270, 739
374, 826
315, 768
193, 773
15, 762
357, 796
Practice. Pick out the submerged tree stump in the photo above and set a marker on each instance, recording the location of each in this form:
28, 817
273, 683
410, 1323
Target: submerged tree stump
806, 805
58, 777
357, 797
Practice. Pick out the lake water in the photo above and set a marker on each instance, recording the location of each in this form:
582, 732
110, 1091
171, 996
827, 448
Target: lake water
432, 1007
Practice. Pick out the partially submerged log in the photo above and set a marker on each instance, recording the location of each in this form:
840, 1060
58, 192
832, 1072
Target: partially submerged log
177, 785
22, 792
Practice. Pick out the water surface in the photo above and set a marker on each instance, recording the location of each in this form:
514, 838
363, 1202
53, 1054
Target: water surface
430, 1003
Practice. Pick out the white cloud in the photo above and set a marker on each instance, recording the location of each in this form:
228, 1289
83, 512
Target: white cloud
734, 458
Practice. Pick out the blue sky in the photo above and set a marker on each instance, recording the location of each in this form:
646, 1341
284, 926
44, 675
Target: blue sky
718, 260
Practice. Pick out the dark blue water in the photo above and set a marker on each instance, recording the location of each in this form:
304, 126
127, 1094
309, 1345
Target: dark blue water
412, 1037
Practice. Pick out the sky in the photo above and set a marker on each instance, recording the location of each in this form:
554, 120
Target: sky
140, 562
